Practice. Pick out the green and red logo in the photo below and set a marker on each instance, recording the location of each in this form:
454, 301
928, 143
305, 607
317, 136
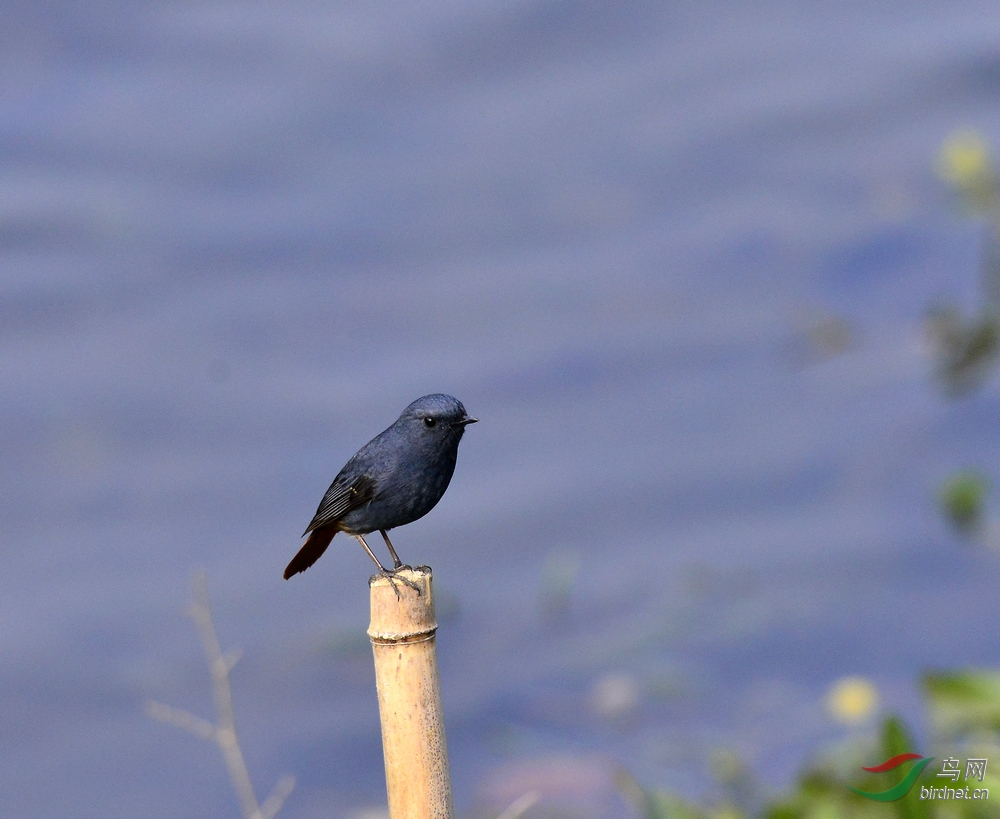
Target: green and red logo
903, 788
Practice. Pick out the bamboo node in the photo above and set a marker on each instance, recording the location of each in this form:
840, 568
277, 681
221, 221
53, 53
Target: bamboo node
384, 639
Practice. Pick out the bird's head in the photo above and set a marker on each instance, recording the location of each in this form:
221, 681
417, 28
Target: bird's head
437, 416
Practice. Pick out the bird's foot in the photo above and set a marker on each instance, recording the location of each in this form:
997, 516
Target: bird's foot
392, 575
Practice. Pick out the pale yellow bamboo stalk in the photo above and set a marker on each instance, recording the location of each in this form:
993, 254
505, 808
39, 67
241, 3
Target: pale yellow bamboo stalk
409, 697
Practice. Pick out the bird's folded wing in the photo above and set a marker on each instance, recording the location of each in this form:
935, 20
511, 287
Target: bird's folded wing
341, 499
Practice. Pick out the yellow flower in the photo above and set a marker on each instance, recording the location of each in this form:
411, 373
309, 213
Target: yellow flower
852, 700
964, 162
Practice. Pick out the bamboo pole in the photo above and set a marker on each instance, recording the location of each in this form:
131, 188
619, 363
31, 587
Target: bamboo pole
409, 697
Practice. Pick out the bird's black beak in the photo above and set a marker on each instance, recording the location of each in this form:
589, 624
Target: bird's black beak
466, 421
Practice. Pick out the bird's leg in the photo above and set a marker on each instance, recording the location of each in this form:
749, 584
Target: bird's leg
398, 563
388, 575
371, 554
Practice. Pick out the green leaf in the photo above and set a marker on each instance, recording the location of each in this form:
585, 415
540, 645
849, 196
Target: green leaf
963, 701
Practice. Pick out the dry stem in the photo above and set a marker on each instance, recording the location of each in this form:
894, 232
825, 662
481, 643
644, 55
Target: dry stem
222, 733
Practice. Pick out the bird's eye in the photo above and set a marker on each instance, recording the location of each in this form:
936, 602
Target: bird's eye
429, 422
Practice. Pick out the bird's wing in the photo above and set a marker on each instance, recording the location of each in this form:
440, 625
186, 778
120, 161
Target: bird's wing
340, 499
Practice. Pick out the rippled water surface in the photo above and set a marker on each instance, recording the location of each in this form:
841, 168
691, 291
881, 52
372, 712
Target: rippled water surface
674, 257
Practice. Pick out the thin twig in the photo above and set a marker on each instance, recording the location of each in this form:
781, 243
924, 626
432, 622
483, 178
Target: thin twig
277, 798
520, 805
223, 733
182, 719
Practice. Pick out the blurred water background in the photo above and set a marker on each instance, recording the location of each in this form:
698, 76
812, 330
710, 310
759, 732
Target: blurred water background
676, 257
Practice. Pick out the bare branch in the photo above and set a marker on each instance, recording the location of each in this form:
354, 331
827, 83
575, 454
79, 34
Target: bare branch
224, 733
277, 798
520, 805
232, 657
182, 719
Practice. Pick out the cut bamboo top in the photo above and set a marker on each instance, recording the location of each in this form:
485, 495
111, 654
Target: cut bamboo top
409, 618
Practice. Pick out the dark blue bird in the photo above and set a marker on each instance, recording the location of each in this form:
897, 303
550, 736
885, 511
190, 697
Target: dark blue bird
394, 479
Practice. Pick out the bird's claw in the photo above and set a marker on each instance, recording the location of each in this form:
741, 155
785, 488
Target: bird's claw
392, 575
